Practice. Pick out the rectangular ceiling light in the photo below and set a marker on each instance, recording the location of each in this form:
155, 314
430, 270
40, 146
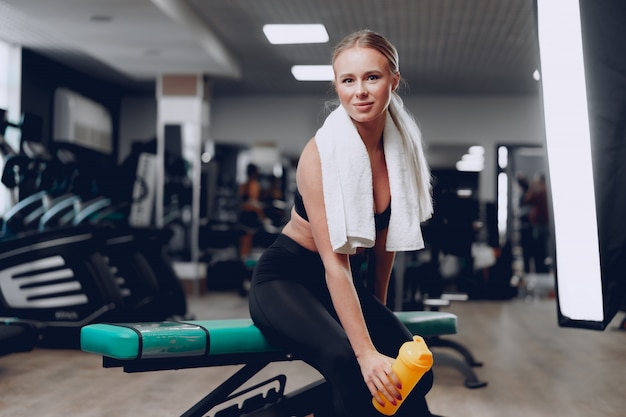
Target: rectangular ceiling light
313, 72
568, 145
292, 34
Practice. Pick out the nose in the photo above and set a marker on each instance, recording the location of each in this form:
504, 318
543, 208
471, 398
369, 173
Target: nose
361, 89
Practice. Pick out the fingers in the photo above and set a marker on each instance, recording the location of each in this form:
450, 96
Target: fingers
376, 393
381, 395
381, 380
386, 386
394, 378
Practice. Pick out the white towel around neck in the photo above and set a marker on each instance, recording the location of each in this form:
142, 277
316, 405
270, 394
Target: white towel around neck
348, 190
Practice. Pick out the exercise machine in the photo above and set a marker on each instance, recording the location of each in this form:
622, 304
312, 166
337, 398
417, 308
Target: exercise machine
66, 278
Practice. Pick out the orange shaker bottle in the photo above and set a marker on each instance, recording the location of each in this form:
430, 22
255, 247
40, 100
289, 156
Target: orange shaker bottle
413, 361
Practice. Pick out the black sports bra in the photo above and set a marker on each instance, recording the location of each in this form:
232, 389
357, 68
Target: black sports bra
381, 220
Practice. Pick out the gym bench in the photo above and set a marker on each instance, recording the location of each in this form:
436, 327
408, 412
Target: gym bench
168, 345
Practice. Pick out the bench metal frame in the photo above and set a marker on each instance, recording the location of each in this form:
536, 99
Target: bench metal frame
274, 402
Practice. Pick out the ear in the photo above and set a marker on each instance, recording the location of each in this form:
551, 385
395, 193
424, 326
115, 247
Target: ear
396, 81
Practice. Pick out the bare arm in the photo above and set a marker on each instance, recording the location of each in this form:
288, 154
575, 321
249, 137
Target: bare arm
374, 366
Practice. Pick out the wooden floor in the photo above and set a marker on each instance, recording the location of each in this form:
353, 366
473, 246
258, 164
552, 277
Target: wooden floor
533, 368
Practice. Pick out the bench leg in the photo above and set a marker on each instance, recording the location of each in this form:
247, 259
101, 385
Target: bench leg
299, 403
469, 357
464, 366
222, 393
471, 380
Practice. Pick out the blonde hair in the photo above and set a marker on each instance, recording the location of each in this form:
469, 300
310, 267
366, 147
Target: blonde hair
411, 134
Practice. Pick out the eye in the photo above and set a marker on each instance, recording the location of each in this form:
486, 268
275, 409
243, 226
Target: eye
372, 77
347, 81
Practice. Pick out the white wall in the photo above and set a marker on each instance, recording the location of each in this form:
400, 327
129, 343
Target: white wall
445, 120
480, 120
290, 121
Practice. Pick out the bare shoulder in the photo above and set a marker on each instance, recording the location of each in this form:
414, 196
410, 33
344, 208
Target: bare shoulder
309, 153
309, 166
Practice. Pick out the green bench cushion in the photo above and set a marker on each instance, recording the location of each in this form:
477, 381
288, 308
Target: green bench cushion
171, 339
129, 341
429, 323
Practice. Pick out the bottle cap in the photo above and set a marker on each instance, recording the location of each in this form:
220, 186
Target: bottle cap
416, 353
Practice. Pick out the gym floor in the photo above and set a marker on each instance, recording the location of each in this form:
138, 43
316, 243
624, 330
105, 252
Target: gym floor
533, 368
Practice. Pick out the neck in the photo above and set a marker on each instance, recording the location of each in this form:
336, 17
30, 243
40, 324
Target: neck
372, 133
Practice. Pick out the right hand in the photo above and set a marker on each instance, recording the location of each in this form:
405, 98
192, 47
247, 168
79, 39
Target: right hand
379, 377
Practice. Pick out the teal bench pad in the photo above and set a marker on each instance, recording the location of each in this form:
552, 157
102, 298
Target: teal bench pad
128, 341
429, 323
171, 339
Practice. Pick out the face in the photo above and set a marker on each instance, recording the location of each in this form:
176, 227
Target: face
364, 83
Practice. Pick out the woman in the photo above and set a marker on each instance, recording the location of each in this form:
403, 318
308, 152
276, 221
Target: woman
352, 202
251, 216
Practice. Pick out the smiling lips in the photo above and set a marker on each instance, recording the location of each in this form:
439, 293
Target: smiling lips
363, 106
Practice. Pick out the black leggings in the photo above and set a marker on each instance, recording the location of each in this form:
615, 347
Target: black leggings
290, 303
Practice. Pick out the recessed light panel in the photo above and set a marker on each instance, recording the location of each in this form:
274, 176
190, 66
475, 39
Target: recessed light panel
292, 34
312, 72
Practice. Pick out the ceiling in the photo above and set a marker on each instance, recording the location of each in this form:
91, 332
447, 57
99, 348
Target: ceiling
445, 46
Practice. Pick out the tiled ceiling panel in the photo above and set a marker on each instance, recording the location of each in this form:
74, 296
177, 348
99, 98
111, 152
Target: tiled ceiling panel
445, 46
